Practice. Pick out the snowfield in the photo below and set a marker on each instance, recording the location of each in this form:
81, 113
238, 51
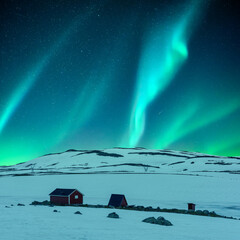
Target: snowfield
146, 177
42, 223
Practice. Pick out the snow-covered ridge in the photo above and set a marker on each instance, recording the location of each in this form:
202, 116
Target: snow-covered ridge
125, 160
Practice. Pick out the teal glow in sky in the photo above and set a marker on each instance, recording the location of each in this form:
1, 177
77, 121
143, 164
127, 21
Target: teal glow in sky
164, 51
33, 74
93, 75
20, 92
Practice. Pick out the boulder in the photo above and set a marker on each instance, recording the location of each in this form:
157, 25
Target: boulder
113, 215
206, 212
212, 214
131, 207
99, 206
159, 221
151, 220
199, 212
148, 208
163, 221
140, 208
46, 202
77, 212
21, 205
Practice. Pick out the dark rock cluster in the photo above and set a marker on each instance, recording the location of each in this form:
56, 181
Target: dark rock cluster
77, 212
113, 215
160, 221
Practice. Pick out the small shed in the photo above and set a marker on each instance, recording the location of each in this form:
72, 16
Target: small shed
65, 196
117, 200
191, 206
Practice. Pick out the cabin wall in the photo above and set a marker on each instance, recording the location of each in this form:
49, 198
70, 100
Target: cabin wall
191, 207
59, 200
76, 201
124, 203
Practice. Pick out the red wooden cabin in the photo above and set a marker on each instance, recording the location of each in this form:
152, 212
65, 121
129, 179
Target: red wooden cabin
117, 200
62, 196
191, 206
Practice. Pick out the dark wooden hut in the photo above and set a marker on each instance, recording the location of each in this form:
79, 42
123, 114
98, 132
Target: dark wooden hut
117, 200
191, 206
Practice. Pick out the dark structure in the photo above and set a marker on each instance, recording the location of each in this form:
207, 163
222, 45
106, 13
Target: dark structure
117, 200
62, 196
191, 206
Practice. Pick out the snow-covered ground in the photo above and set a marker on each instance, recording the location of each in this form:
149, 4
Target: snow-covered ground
40, 222
166, 191
170, 187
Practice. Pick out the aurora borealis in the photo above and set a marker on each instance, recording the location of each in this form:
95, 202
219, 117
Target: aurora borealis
103, 74
161, 58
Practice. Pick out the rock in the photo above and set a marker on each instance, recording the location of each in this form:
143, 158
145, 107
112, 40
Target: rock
7, 207
113, 215
199, 212
151, 220
21, 205
99, 206
131, 207
34, 203
178, 211
148, 208
206, 212
163, 221
77, 212
212, 214
46, 202
55, 210
159, 221
140, 208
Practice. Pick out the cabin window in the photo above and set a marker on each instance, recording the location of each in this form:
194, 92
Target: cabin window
76, 196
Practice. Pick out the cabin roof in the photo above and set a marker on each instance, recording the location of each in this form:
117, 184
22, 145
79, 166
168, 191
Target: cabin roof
62, 192
116, 199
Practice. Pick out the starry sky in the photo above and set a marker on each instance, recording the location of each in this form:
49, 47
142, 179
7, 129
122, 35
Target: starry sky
113, 73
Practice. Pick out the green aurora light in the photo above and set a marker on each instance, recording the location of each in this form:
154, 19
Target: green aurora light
189, 122
162, 56
139, 73
31, 77
174, 129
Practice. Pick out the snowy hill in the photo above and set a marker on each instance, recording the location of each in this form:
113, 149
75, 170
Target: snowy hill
120, 160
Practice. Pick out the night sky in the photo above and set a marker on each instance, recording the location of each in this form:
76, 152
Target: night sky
103, 74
